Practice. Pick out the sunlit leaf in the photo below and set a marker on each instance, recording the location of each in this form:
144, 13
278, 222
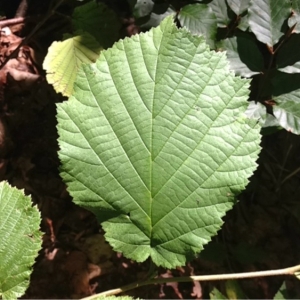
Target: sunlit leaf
64, 59
155, 142
20, 241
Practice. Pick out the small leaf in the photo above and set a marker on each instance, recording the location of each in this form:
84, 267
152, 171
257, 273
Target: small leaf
98, 20
295, 17
221, 11
64, 58
199, 19
215, 294
288, 59
287, 111
20, 241
143, 8
238, 6
243, 54
266, 18
233, 290
155, 142
282, 293
244, 23
256, 111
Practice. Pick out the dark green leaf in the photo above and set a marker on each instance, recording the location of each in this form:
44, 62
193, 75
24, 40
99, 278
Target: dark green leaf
266, 18
288, 59
243, 54
283, 83
199, 19
99, 21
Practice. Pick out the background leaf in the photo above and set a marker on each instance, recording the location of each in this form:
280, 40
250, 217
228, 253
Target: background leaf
266, 18
98, 20
243, 54
287, 111
199, 19
20, 240
288, 58
238, 6
64, 58
294, 19
156, 144
220, 9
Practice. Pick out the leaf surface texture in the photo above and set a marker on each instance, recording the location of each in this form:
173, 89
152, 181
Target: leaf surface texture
154, 141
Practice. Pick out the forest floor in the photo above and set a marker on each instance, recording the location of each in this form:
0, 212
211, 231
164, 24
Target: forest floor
262, 232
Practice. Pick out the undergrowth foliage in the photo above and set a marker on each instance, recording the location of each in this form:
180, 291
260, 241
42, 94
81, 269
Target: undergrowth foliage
162, 129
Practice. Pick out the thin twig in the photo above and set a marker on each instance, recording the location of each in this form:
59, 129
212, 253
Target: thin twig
286, 271
13, 21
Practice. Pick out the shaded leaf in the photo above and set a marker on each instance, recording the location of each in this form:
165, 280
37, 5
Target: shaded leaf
199, 19
220, 9
287, 111
154, 19
244, 23
98, 20
215, 294
243, 54
283, 83
20, 241
64, 58
233, 290
155, 142
294, 19
288, 59
238, 6
266, 18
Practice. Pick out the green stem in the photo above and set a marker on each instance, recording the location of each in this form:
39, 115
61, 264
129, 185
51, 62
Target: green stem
285, 271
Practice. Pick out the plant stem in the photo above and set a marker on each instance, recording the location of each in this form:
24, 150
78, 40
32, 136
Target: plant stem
285, 271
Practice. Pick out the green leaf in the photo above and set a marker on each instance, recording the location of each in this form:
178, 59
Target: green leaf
288, 59
233, 290
294, 19
282, 293
199, 19
266, 18
20, 241
243, 54
215, 294
154, 141
220, 9
98, 20
64, 59
238, 6
287, 111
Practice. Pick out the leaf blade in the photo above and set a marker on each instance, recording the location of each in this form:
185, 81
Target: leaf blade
150, 143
